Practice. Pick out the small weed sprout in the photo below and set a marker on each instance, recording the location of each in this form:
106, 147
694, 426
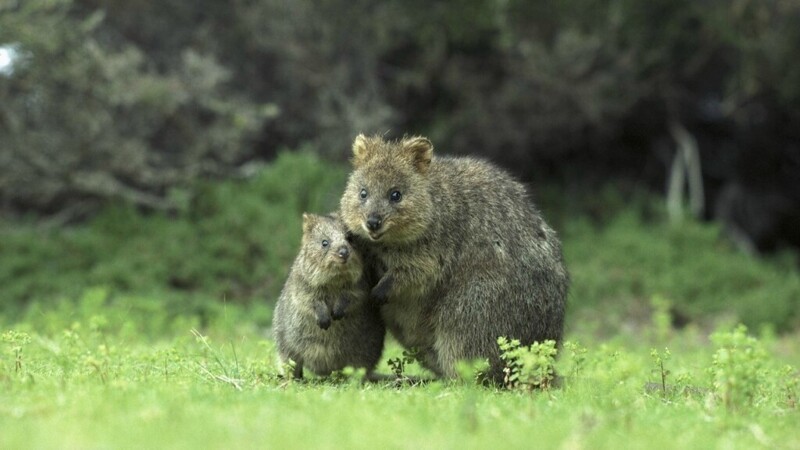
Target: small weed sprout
528, 368
161, 361
577, 354
99, 365
287, 369
16, 340
398, 365
791, 382
659, 359
509, 353
354, 375
738, 368
473, 370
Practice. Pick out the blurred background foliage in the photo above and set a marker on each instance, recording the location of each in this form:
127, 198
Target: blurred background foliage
157, 126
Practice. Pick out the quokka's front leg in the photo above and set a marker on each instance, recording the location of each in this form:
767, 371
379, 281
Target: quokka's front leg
323, 315
340, 307
380, 292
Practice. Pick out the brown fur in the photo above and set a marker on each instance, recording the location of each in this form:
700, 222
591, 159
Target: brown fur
322, 288
462, 258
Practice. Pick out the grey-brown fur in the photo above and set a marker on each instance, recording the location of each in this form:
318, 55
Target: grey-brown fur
325, 284
463, 257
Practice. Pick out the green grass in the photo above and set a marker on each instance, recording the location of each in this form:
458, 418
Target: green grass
92, 381
144, 331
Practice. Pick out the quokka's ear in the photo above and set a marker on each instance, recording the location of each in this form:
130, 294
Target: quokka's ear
361, 150
420, 152
309, 220
334, 215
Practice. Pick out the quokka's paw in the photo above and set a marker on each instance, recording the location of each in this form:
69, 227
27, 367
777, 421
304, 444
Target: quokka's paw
338, 313
340, 308
324, 322
380, 293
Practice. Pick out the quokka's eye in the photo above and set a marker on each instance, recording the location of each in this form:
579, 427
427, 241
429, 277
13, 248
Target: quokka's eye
325, 243
363, 193
395, 196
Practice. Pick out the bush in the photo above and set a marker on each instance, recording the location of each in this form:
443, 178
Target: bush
739, 366
527, 367
231, 241
86, 118
691, 265
234, 241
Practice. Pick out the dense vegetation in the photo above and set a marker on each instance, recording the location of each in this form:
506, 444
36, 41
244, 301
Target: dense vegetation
129, 100
232, 242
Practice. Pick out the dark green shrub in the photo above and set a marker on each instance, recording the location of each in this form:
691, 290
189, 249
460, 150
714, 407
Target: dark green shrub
691, 265
86, 118
234, 241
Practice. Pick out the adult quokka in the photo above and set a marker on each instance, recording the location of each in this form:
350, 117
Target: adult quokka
461, 252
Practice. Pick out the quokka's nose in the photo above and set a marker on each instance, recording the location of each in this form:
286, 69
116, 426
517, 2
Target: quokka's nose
344, 253
374, 222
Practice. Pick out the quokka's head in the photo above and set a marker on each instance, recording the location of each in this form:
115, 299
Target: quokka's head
387, 198
326, 253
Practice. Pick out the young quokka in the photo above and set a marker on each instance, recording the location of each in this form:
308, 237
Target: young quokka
326, 284
462, 254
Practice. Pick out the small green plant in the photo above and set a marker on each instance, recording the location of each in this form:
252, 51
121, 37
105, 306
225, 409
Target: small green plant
791, 382
577, 354
353, 376
161, 362
99, 363
16, 341
659, 358
528, 368
398, 365
287, 369
738, 368
473, 370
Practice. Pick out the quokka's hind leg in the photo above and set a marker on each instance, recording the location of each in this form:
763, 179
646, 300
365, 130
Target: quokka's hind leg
297, 373
284, 363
